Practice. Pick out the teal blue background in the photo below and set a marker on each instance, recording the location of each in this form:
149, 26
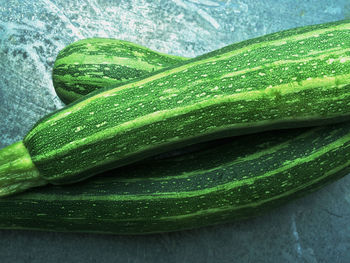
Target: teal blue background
312, 229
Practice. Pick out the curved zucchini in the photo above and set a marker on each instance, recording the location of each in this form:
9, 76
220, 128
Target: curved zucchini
242, 177
294, 78
94, 63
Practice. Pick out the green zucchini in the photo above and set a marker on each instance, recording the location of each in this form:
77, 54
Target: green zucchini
294, 78
242, 177
90, 64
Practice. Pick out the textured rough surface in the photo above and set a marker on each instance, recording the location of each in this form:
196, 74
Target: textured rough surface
312, 229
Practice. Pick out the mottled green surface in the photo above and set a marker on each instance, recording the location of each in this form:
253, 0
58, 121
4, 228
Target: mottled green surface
294, 78
90, 64
241, 177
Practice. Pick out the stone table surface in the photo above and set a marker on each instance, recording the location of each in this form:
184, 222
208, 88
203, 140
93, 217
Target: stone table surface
311, 229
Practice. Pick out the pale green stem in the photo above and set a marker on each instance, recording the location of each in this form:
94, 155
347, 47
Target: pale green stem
17, 171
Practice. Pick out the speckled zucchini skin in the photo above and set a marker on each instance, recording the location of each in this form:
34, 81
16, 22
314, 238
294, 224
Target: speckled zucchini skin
294, 78
90, 64
241, 177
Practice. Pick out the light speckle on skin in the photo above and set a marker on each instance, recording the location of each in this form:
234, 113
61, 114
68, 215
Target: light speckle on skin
330, 61
261, 74
78, 129
110, 95
101, 124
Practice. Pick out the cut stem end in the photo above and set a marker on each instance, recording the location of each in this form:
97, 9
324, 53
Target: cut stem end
17, 171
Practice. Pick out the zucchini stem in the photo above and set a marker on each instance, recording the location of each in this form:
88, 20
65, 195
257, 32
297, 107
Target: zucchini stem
17, 171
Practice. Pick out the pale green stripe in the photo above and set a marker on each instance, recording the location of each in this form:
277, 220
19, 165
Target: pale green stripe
102, 59
286, 62
85, 80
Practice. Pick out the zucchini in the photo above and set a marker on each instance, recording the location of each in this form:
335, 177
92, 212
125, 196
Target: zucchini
90, 64
242, 177
294, 78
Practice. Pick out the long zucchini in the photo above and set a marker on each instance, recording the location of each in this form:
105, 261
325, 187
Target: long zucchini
298, 77
242, 177
94, 63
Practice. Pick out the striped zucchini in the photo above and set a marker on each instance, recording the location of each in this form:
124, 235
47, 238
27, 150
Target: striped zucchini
294, 78
90, 64
242, 177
